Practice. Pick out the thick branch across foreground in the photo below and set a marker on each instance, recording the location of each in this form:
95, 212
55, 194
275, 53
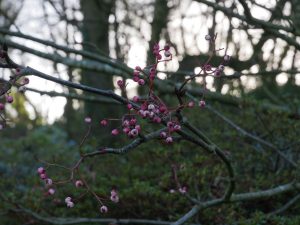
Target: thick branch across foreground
251, 196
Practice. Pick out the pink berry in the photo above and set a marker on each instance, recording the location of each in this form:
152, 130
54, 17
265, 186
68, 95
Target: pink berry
136, 78
156, 119
129, 106
135, 99
114, 198
103, 209
51, 191
134, 132
70, 204
138, 68
43, 176
41, 170
163, 134
217, 72
202, 103
170, 124
120, 83
169, 140
103, 122
78, 183
141, 82
151, 107
132, 121
138, 127
183, 190
49, 181
207, 67
2, 106
177, 127
126, 130
68, 199
162, 109
191, 104
115, 132
9, 99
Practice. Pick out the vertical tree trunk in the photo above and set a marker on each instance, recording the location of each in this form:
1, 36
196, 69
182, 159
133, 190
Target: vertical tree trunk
95, 32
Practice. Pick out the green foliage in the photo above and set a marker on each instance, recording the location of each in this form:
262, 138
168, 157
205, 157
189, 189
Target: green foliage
144, 175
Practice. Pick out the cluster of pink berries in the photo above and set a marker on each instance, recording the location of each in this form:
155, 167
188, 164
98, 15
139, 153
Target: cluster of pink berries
9, 99
131, 128
157, 50
172, 127
153, 111
48, 181
137, 76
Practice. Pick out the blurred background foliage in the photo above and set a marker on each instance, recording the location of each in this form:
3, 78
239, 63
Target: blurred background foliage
263, 100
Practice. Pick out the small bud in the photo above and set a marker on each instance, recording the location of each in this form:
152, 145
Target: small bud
78, 183
167, 47
48, 181
114, 198
43, 176
129, 106
135, 99
138, 68
169, 140
136, 78
51, 191
182, 190
68, 199
156, 119
41, 170
9, 99
141, 82
191, 104
134, 132
120, 83
217, 72
103, 209
115, 132
103, 122
70, 204
2, 107
177, 127
158, 56
87, 119
151, 107
163, 134
202, 103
